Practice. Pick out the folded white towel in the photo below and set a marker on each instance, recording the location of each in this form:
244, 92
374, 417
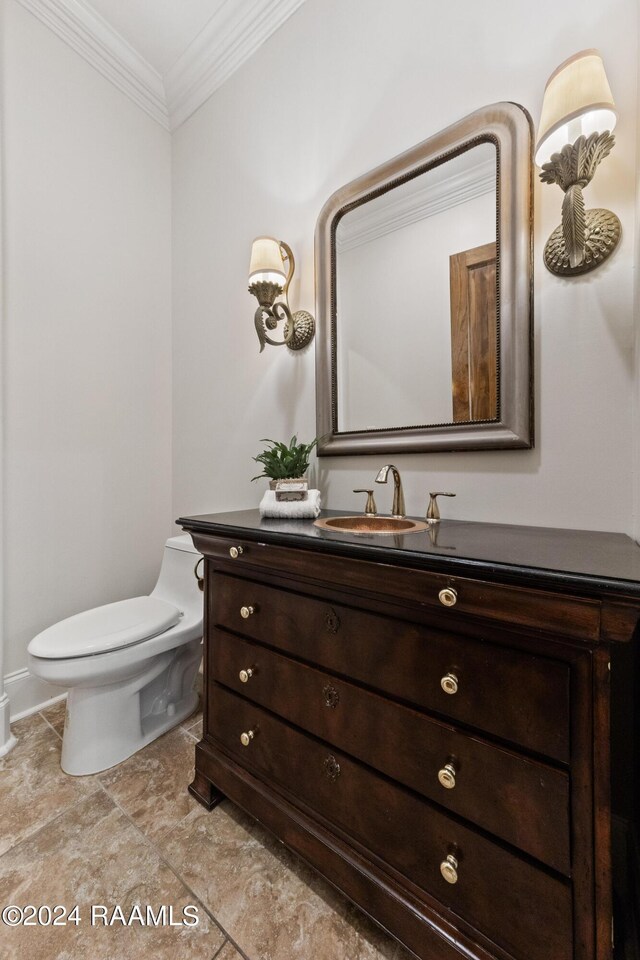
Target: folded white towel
291, 509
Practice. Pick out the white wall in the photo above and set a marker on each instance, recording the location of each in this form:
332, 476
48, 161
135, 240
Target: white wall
343, 86
87, 453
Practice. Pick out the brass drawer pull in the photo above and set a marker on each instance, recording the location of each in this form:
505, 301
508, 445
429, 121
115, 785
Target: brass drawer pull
449, 869
245, 675
235, 552
449, 683
447, 776
247, 737
331, 768
246, 612
448, 596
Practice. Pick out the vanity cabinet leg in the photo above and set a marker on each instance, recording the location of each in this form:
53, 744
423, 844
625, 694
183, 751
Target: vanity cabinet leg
205, 792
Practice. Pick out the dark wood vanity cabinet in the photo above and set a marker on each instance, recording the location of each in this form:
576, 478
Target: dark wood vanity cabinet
450, 740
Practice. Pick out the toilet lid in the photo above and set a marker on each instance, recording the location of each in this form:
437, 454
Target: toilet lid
105, 628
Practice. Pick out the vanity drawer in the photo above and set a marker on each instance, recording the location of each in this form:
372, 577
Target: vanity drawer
525, 910
522, 801
512, 694
516, 606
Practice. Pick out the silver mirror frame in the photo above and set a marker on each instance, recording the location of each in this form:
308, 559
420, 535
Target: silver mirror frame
509, 127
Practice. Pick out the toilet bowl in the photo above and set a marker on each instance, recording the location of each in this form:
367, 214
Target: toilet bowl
129, 666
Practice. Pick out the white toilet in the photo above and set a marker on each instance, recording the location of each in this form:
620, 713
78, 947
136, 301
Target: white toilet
129, 666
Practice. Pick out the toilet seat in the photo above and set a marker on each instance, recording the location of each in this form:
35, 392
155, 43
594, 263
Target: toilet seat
106, 628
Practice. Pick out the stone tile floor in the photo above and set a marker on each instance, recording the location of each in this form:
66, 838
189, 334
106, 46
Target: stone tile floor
134, 836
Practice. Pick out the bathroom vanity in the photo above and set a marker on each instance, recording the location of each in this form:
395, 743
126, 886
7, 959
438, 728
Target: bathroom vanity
444, 724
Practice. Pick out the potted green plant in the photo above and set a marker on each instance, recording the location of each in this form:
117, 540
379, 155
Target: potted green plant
281, 461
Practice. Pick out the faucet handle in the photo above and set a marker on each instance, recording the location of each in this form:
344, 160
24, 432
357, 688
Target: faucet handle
433, 512
370, 510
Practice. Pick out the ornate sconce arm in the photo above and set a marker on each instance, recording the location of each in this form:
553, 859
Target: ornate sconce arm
292, 266
267, 318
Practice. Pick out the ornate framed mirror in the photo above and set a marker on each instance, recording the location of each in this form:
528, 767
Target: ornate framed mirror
424, 296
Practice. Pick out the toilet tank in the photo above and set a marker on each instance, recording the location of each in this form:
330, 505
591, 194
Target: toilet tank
177, 581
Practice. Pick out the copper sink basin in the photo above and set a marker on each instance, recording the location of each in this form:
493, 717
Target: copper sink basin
377, 525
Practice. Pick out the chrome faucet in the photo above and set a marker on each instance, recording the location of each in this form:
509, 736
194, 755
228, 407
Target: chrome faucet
398, 508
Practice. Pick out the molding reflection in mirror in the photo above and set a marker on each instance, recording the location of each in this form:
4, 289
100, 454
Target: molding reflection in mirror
387, 342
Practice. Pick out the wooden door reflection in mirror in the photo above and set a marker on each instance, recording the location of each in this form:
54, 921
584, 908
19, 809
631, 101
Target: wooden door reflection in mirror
474, 334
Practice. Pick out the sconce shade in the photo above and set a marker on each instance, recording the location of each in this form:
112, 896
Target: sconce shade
267, 265
577, 102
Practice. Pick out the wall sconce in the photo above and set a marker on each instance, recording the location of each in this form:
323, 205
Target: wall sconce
578, 115
268, 282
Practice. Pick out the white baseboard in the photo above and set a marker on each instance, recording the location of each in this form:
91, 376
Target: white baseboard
7, 739
27, 694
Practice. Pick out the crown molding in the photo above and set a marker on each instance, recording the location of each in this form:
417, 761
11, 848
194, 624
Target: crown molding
101, 46
232, 35
424, 200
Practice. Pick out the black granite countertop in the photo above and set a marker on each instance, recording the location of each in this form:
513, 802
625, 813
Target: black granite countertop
584, 560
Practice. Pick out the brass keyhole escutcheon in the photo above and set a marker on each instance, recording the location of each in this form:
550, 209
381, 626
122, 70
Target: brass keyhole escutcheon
331, 768
447, 776
448, 596
449, 869
332, 621
331, 696
449, 683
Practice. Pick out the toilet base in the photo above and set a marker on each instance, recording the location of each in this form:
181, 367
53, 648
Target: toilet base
105, 725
